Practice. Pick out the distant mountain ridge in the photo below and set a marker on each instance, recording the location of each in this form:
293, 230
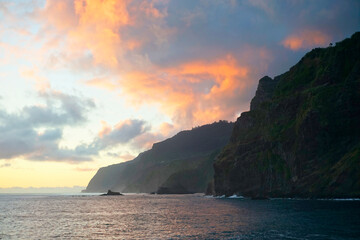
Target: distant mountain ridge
301, 137
189, 154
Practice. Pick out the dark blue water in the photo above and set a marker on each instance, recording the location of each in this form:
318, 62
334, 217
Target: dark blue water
174, 217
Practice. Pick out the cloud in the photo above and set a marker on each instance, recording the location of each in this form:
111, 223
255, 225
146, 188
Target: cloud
98, 28
306, 39
195, 61
35, 131
102, 82
167, 129
146, 140
198, 61
41, 83
5, 165
196, 92
122, 133
124, 156
266, 6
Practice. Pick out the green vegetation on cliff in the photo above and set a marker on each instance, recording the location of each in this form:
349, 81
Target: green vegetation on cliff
301, 136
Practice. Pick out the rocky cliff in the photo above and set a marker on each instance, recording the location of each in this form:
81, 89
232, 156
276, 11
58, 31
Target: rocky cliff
301, 137
181, 163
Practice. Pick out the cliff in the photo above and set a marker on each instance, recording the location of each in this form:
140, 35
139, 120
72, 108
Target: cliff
182, 162
301, 137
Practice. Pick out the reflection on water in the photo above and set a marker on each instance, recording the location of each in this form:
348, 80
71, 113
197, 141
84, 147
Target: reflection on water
174, 217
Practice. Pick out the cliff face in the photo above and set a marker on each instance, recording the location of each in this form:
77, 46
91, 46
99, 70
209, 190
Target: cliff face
174, 163
301, 136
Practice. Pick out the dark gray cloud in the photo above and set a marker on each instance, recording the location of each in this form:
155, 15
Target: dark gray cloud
209, 29
52, 152
121, 134
35, 131
125, 132
252, 31
162, 36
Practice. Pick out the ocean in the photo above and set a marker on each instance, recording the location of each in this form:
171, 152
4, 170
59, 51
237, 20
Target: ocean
141, 216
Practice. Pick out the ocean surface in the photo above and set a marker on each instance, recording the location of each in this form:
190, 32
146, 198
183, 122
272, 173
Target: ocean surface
174, 217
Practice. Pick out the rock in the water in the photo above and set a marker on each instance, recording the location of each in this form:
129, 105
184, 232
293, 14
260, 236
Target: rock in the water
111, 193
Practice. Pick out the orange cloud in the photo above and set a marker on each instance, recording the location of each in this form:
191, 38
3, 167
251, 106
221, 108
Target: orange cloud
166, 129
306, 39
145, 141
127, 156
59, 14
102, 82
196, 92
105, 130
95, 27
192, 93
149, 9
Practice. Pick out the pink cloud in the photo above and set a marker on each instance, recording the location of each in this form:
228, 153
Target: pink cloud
195, 92
80, 27
191, 92
306, 39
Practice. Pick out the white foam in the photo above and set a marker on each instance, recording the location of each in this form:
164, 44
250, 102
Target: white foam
222, 196
236, 196
208, 196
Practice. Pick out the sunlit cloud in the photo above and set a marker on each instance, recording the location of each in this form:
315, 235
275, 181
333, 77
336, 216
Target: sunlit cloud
167, 129
122, 156
192, 93
105, 130
146, 140
102, 82
188, 63
95, 82
133, 42
306, 39
96, 28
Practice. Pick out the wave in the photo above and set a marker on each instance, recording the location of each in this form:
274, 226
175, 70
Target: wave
236, 196
223, 196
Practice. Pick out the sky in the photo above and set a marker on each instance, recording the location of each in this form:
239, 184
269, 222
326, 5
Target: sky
90, 83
